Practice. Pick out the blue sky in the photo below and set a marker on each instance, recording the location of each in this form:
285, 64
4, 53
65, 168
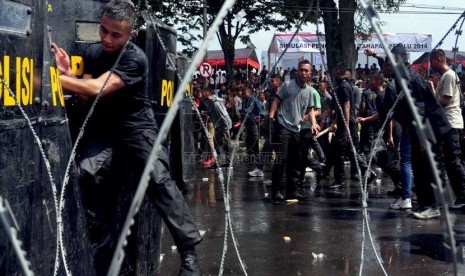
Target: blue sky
416, 16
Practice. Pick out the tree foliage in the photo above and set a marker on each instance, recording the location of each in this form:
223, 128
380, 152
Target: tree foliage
245, 18
341, 19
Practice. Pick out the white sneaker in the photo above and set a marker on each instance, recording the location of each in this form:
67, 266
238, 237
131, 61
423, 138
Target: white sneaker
256, 173
307, 169
427, 213
402, 204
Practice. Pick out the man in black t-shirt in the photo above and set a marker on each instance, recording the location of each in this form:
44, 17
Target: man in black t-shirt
124, 122
341, 141
358, 72
367, 130
385, 156
263, 75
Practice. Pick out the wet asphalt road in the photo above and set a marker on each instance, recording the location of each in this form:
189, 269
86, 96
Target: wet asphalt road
285, 239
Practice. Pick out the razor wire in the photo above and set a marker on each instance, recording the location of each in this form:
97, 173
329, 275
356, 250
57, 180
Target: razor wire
60, 205
241, 128
354, 152
143, 184
12, 233
422, 130
362, 251
59, 245
81, 134
455, 48
391, 113
448, 32
318, 34
239, 132
375, 147
226, 195
341, 113
89, 116
378, 257
225, 187
458, 32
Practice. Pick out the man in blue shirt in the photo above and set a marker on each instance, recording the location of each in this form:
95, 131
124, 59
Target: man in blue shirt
252, 109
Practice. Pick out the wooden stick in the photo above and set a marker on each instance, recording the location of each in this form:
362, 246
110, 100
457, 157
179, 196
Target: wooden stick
323, 132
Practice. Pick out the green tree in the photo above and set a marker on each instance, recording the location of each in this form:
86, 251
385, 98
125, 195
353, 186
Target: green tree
245, 18
341, 20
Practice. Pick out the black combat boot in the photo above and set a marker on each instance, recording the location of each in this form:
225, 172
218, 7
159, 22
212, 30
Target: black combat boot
189, 264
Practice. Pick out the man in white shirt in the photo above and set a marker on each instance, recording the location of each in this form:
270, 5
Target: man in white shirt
448, 94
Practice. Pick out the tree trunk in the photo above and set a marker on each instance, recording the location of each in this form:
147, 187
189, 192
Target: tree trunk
227, 43
347, 27
229, 56
339, 33
330, 20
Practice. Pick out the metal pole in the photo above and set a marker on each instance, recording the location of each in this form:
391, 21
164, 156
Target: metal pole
205, 20
247, 61
205, 58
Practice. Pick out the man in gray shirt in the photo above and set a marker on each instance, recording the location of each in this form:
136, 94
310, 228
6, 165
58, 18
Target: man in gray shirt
292, 102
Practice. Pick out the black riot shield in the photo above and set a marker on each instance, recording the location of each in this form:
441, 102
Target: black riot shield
186, 125
74, 26
159, 42
30, 92
27, 68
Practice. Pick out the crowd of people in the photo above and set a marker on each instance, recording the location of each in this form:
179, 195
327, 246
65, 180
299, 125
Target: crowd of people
293, 112
296, 105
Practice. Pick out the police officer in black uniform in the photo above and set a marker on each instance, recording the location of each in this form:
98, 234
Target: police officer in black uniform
124, 122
